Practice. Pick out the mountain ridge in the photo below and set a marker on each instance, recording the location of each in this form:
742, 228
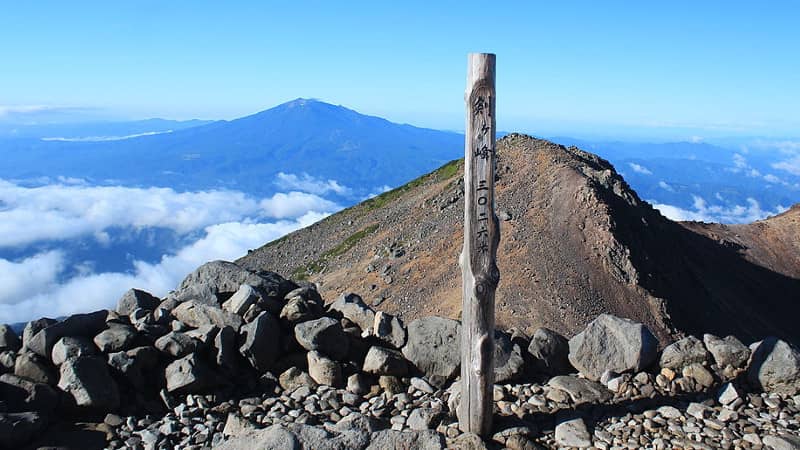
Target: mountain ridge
576, 241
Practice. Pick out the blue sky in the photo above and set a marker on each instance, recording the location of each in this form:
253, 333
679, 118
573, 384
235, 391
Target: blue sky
687, 68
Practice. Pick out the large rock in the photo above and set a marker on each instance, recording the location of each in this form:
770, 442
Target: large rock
324, 335
33, 327
196, 314
70, 347
294, 378
389, 329
408, 440
684, 352
135, 299
301, 309
116, 338
35, 368
214, 282
508, 361
353, 308
134, 365
190, 374
17, 429
433, 347
225, 348
9, 339
241, 301
610, 343
176, 344
384, 361
21, 394
550, 352
728, 351
274, 437
324, 370
573, 433
88, 383
87, 325
581, 390
775, 367
261, 341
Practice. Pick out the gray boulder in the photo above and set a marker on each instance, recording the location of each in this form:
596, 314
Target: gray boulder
196, 314
7, 361
21, 394
775, 367
300, 309
353, 308
581, 390
33, 327
324, 370
573, 433
433, 348
72, 347
89, 385
294, 378
241, 301
136, 299
550, 352
324, 335
17, 429
116, 338
176, 344
508, 361
261, 341
87, 325
406, 440
225, 351
728, 351
687, 351
384, 361
9, 339
389, 329
214, 282
35, 368
274, 437
782, 442
190, 375
610, 343
134, 365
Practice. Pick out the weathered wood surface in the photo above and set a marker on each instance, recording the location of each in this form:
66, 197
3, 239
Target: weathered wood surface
481, 237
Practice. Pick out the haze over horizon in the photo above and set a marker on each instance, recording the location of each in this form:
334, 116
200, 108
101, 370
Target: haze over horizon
674, 72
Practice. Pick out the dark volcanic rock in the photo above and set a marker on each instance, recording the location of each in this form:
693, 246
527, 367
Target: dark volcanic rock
89, 385
196, 314
9, 339
72, 347
76, 325
550, 352
136, 299
35, 368
117, 337
190, 374
324, 335
22, 394
17, 429
433, 347
684, 352
261, 341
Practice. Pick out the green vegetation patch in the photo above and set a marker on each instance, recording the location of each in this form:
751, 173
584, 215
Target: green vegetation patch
303, 272
445, 172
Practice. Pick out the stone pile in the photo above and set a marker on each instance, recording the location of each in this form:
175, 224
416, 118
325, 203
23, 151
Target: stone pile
239, 359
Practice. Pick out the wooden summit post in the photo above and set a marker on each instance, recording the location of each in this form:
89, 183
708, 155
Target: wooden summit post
481, 237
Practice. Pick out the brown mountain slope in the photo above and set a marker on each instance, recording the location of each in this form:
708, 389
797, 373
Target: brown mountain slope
576, 241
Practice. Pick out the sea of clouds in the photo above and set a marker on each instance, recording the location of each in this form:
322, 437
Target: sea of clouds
221, 224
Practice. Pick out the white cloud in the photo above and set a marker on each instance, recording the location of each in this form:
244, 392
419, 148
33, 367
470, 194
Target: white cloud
770, 178
104, 138
64, 211
663, 185
703, 212
741, 165
307, 183
30, 287
640, 169
791, 165
295, 204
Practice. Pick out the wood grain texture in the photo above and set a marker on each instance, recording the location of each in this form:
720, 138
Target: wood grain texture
481, 238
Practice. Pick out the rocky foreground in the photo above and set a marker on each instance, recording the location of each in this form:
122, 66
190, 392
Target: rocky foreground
237, 359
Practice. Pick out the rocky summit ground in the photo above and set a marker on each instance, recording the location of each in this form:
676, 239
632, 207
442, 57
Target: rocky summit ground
238, 359
576, 242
